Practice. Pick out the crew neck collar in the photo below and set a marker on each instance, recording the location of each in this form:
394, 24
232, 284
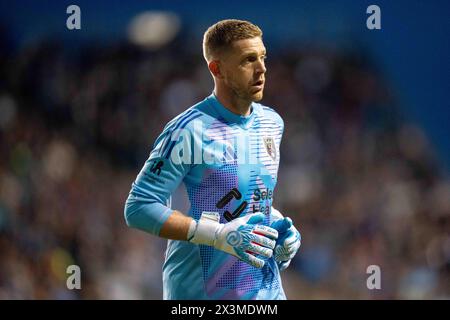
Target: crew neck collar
231, 117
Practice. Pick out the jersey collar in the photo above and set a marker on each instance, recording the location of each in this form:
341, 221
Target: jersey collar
232, 118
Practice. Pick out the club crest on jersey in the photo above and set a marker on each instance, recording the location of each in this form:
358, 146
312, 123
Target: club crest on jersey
269, 143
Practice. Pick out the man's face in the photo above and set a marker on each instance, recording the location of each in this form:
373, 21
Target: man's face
243, 69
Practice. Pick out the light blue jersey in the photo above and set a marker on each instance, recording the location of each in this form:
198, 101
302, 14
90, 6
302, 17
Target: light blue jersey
229, 164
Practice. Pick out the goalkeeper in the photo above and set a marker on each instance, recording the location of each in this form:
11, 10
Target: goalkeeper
232, 244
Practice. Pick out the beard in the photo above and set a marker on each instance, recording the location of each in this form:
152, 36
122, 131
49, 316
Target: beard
246, 93
258, 95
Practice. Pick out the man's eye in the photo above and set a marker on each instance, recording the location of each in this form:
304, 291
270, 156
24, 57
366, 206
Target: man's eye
254, 58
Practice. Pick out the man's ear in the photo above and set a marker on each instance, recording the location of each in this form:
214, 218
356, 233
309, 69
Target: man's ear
214, 67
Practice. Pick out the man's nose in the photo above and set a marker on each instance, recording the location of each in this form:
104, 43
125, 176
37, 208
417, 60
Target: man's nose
261, 67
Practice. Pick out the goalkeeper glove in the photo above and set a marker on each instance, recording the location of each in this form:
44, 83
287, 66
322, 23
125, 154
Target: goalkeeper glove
288, 243
242, 237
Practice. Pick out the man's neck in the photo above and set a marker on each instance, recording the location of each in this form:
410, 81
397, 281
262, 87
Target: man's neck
235, 105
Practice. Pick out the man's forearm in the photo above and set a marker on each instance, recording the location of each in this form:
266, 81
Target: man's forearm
176, 226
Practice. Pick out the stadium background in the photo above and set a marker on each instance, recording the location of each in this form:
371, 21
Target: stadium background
365, 155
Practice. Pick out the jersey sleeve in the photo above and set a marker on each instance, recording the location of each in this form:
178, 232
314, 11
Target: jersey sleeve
147, 206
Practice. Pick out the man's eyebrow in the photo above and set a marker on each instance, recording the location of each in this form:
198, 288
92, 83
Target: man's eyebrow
250, 53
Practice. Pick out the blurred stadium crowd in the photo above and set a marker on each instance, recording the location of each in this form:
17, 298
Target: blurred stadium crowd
360, 181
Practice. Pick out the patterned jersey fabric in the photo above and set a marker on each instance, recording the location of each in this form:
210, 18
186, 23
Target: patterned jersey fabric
229, 165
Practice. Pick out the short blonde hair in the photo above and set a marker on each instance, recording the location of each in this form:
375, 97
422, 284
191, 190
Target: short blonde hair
220, 36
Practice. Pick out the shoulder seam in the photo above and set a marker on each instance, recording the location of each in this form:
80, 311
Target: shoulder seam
265, 108
167, 144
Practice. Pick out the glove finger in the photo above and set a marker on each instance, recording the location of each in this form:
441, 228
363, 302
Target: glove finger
282, 253
283, 257
251, 259
254, 218
284, 264
266, 231
254, 248
262, 240
280, 250
293, 239
282, 225
296, 245
293, 248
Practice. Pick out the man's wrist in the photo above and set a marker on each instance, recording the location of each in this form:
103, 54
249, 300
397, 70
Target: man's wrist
192, 229
204, 230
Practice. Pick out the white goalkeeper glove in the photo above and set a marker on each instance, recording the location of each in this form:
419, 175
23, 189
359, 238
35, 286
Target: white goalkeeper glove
242, 237
288, 243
